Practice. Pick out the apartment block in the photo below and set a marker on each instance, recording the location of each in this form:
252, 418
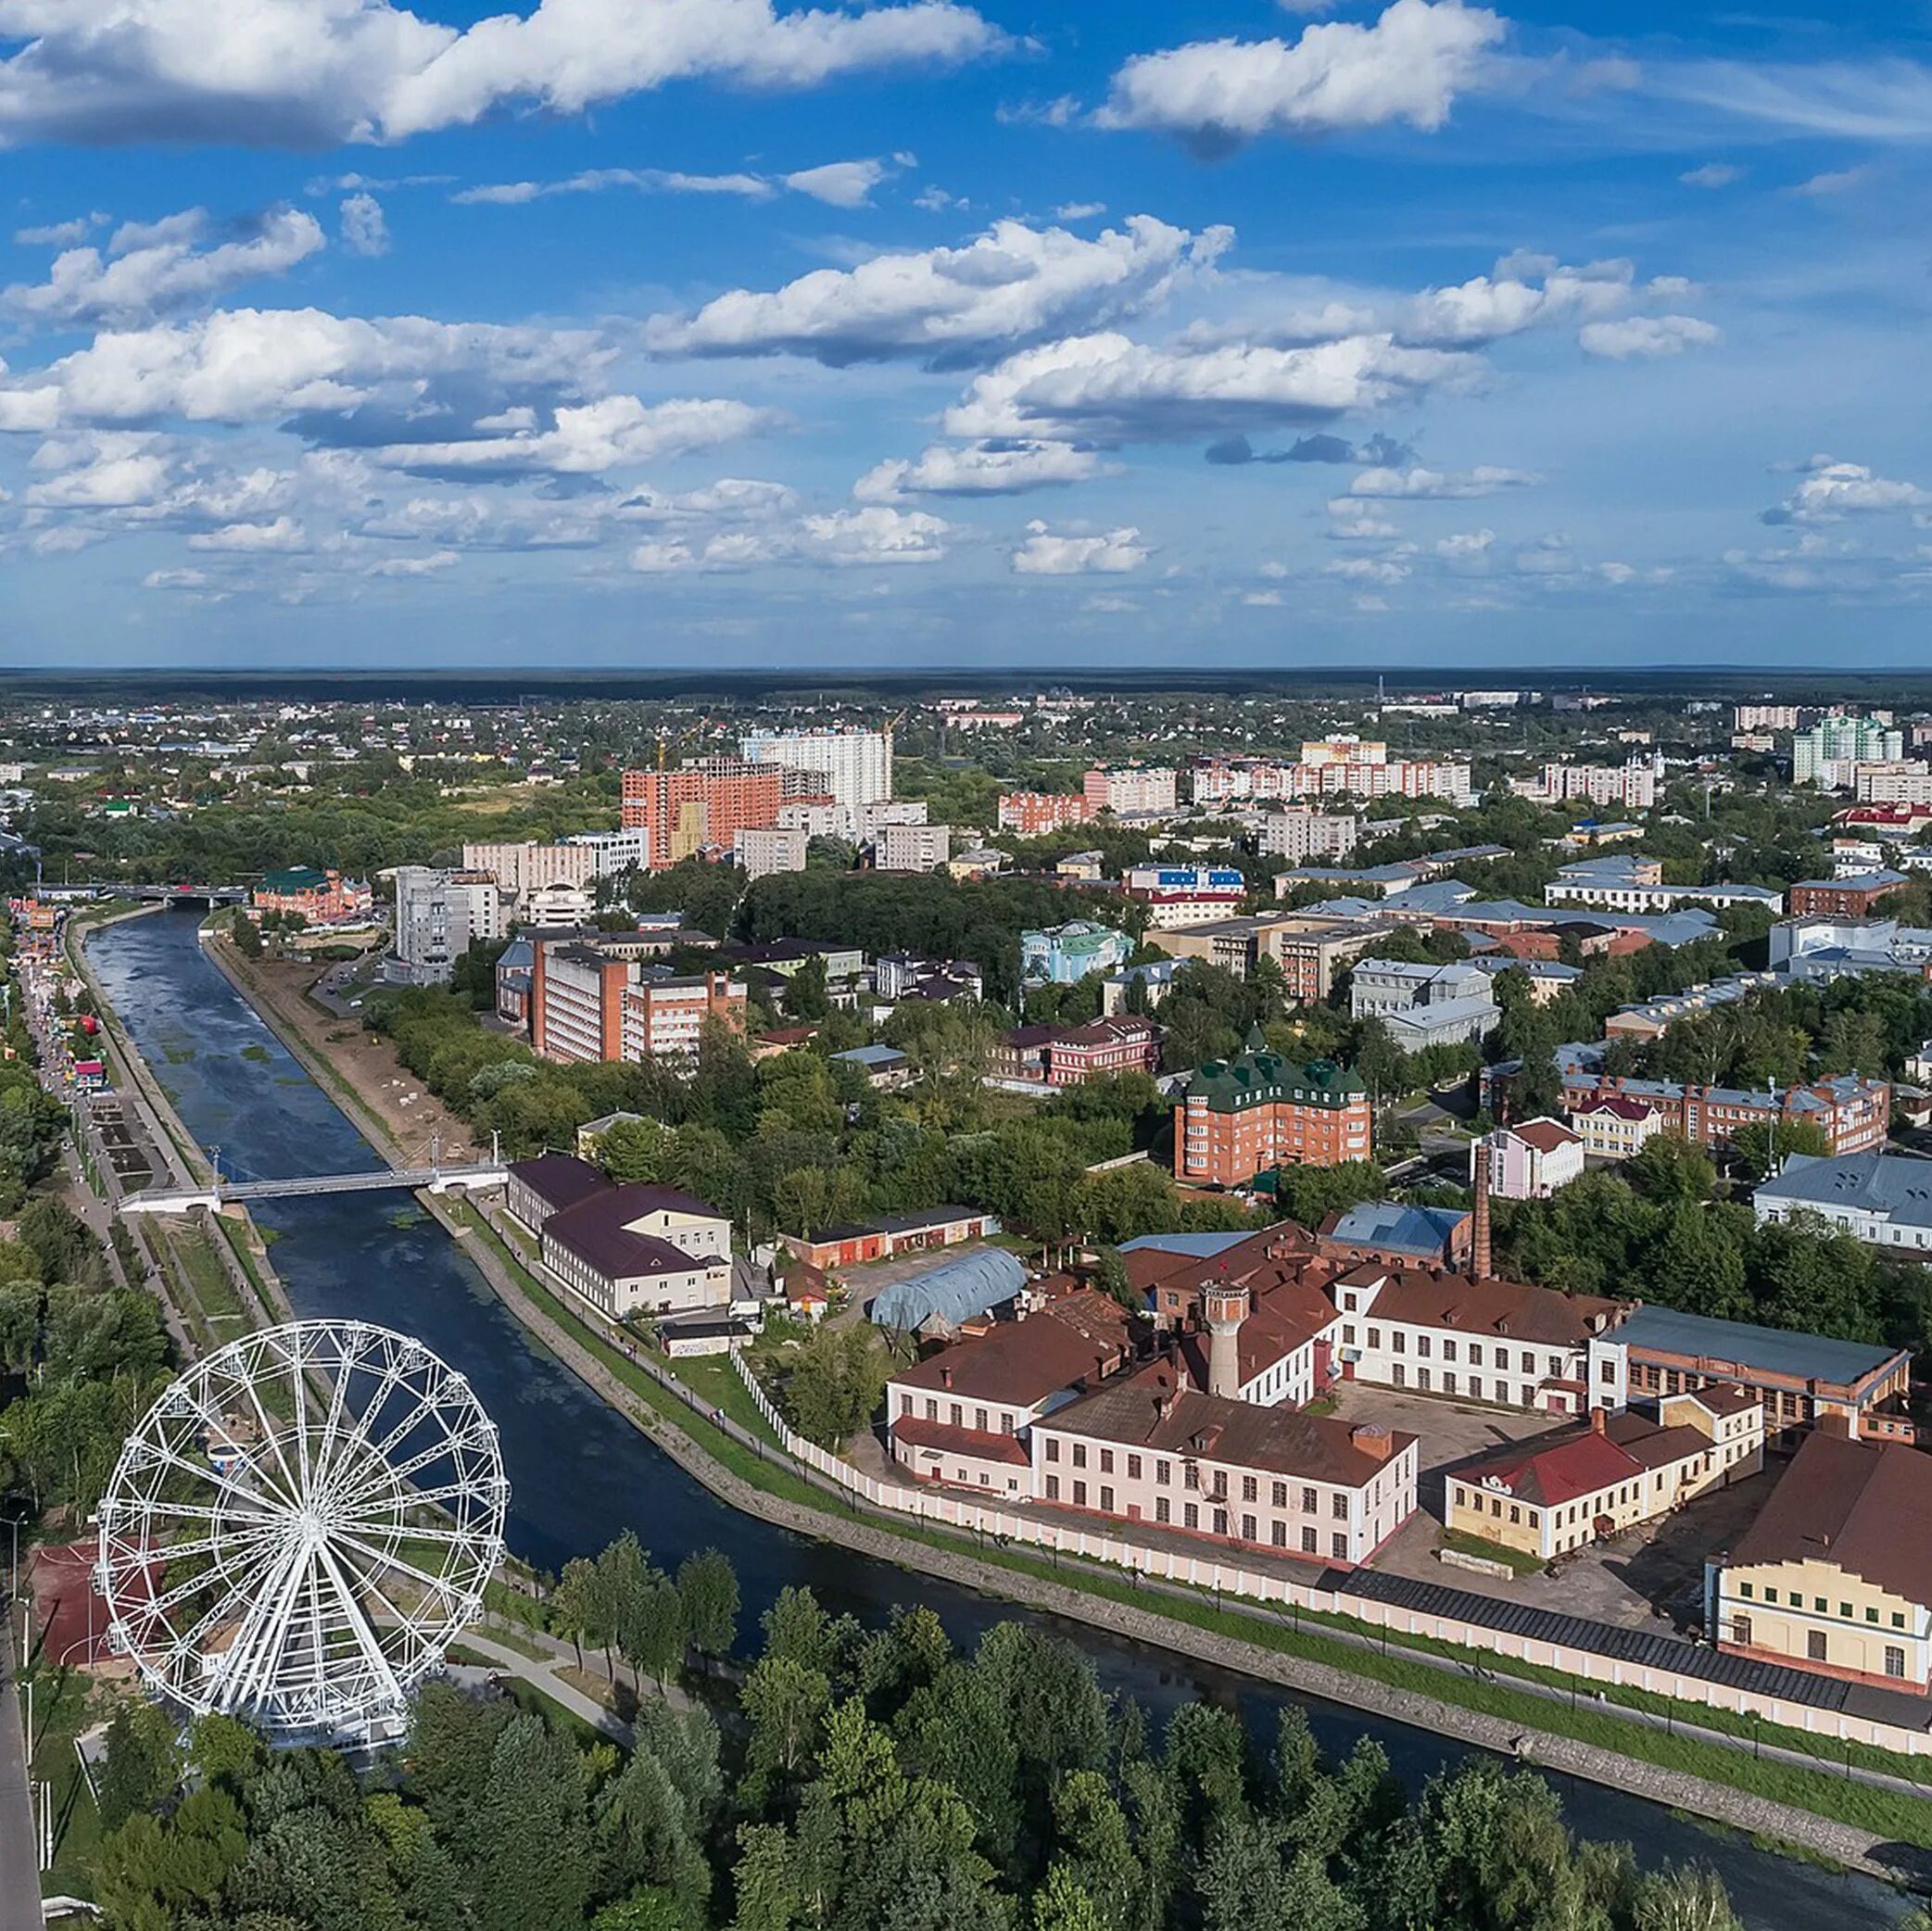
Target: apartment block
1236, 1118
1030, 813
592, 1003
912, 848
1829, 752
1892, 783
763, 849
1630, 787
853, 767
438, 916
1307, 837
700, 807
1128, 789
525, 869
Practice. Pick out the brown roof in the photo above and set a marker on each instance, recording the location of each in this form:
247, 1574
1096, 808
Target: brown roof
1509, 1310
1283, 1319
560, 1181
944, 1439
1722, 1399
595, 1230
1544, 1135
1864, 1506
1159, 1408
1021, 1363
1551, 1470
1280, 1253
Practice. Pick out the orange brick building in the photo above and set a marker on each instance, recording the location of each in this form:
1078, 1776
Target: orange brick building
700, 807
1237, 1118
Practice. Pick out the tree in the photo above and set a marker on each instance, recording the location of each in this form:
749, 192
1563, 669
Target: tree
141, 1765
1763, 1146
652, 1631
532, 1861
1693, 1265
1668, 1169
708, 1586
834, 1385
246, 936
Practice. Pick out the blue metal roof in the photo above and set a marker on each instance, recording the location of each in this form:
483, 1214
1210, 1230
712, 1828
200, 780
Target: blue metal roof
955, 1291
1398, 1227
1195, 1246
1773, 1350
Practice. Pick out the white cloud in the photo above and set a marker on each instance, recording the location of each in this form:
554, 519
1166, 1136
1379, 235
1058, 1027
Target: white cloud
1837, 181
871, 536
876, 535
1646, 336
1884, 99
588, 439
174, 580
155, 268
1367, 569
434, 564
1464, 546
1438, 485
596, 180
284, 534
364, 229
839, 183
1409, 66
243, 365
99, 472
304, 73
1713, 175
1045, 554
1524, 291
1832, 489
59, 234
1108, 387
1264, 599
981, 469
1080, 211
1011, 283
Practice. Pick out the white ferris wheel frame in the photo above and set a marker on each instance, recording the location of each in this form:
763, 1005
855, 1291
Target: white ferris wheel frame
266, 1549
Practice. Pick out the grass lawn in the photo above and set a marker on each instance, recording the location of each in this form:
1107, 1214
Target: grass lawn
1516, 1560
60, 1712
713, 1379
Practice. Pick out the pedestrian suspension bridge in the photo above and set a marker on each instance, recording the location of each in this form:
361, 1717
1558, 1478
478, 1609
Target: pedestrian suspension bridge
219, 1193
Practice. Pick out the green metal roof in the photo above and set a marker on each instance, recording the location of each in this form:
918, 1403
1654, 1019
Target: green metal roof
1269, 1078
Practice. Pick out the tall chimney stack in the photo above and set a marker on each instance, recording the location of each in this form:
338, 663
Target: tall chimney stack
1224, 1307
1479, 1243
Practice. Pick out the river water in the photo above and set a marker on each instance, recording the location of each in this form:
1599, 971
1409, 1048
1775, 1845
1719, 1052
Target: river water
579, 1474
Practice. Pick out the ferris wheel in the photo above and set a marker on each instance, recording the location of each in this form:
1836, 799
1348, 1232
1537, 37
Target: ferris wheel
300, 1526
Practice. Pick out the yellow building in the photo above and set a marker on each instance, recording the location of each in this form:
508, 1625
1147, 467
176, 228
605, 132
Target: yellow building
1554, 1493
1836, 1573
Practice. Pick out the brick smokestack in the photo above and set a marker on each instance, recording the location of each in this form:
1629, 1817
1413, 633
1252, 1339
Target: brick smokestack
1479, 1243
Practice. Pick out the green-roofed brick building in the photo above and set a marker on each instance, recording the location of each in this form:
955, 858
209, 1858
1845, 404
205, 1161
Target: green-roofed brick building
1237, 1117
322, 898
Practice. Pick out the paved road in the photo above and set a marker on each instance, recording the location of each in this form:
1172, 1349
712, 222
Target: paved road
19, 1862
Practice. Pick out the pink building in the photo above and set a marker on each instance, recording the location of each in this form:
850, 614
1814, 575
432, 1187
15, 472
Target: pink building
1530, 1161
1153, 1448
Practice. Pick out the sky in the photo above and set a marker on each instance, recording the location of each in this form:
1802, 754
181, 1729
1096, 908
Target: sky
715, 333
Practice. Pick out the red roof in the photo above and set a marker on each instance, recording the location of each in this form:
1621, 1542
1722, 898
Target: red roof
1584, 1465
1612, 1102
939, 1438
1544, 1135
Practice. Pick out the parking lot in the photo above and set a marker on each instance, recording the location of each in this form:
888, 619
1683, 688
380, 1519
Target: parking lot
1648, 1578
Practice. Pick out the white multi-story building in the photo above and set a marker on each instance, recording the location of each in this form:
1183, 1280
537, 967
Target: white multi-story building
615, 852
1834, 745
912, 848
1894, 783
1764, 717
761, 848
524, 868
816, 817
1304, 837
438, 916
855, 766
873, 818
1630, 787
1130, 788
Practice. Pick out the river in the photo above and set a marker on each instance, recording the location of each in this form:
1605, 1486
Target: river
580, 1474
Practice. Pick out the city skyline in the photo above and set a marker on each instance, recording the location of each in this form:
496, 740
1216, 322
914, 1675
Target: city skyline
690, 334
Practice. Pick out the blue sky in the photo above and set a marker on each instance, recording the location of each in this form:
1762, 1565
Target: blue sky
657, 332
